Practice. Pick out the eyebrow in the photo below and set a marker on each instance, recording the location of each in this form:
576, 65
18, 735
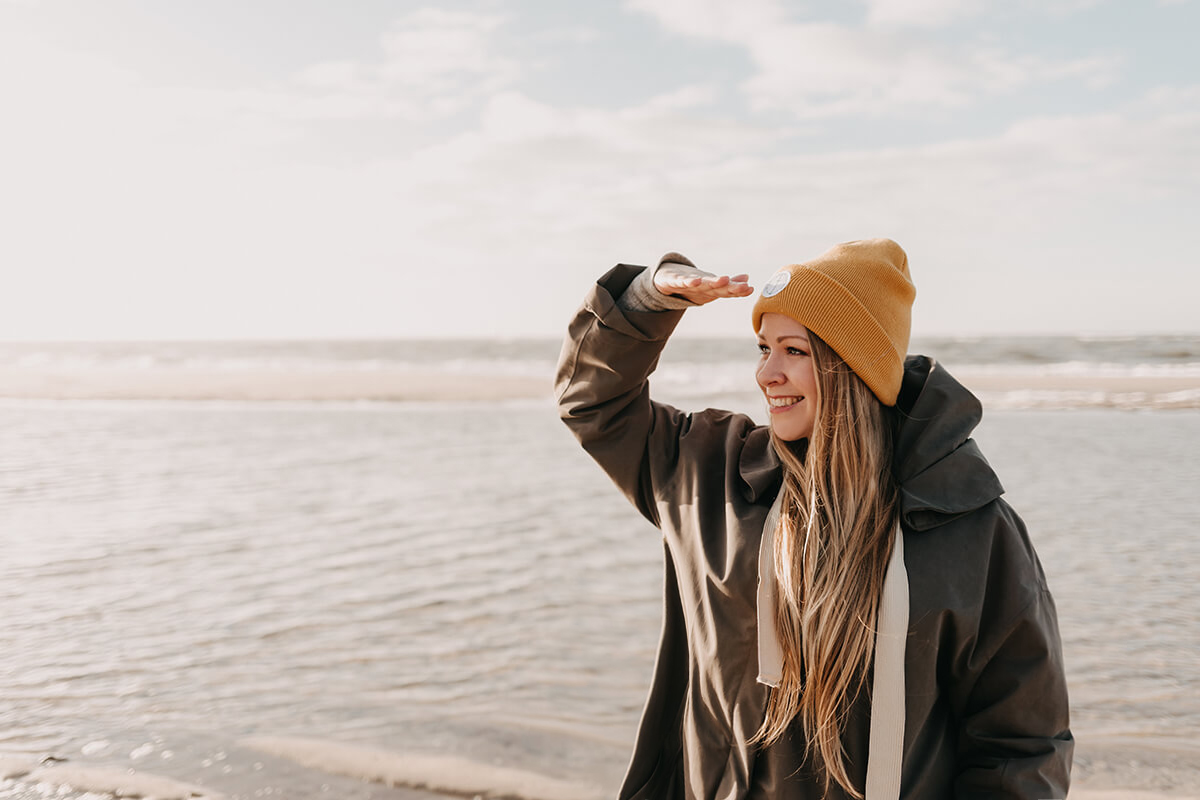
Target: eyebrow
788, 336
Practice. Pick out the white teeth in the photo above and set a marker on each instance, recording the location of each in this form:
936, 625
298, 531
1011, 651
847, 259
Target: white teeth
780, 402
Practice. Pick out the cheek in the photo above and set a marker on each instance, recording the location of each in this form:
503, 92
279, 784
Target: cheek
799, 377
808, 379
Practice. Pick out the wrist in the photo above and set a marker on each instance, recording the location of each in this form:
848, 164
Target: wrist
643, 295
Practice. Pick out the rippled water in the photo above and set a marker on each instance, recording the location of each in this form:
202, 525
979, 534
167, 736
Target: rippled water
460, 578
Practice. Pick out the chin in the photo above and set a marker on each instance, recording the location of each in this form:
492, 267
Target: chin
786, 434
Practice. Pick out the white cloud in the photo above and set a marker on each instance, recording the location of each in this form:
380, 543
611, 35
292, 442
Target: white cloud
1043, 215
431, 45
433, 63
938, 13
542, 196
189, 212
1061, 7
76, 106
920, 13
822, 69
722, 20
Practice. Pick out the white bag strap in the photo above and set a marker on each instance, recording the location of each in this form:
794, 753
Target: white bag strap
887, 689
770, 654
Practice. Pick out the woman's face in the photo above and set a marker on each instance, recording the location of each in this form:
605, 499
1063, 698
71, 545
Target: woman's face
786, 376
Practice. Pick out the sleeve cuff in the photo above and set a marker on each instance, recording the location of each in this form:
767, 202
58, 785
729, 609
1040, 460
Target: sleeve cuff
642, 295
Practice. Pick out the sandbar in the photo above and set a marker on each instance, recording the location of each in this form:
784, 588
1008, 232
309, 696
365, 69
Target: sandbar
406, 385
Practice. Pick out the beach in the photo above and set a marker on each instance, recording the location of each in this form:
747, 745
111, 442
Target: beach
313, 768
322, 769
329, 384
288, 510
319, 591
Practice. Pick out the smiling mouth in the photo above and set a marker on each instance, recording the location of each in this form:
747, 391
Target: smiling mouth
783, 402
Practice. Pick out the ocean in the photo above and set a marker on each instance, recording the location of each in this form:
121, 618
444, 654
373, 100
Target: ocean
1143, 372
281, 569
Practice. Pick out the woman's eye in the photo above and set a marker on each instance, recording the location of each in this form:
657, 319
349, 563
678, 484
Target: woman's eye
796, 351
763, 349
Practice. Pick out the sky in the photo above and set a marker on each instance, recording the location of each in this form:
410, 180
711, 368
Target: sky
234, 169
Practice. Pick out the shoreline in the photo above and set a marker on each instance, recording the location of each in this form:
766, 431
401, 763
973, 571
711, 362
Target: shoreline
305, 768
376, 777
291, 763
321, 385
403, 385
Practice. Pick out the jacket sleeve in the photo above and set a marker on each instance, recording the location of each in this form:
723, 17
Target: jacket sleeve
603, 391
1014, 724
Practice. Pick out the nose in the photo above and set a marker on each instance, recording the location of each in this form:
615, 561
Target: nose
768, 372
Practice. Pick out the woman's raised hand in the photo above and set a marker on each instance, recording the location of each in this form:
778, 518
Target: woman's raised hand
699, 286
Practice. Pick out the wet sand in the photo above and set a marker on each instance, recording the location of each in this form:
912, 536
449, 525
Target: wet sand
273, 385
308, 768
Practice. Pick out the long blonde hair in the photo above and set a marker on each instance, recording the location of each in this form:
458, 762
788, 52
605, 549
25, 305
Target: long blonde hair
835, 537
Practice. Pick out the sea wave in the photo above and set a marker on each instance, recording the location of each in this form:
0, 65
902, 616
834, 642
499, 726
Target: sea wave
69, 781
1009, 386
681, 387
89, 362
1092, 369
1022, 399
469, 372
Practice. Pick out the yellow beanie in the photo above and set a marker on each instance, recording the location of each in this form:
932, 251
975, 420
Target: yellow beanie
857, 297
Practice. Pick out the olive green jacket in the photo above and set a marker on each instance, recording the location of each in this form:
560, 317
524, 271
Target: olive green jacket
986, 700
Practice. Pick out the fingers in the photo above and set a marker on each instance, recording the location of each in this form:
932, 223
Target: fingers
739, 288
696, 281
710, 289
698, 286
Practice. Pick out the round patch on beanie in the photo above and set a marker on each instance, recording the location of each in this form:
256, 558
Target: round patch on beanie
777, 283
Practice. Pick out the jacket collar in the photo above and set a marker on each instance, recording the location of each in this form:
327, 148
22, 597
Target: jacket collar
759, 466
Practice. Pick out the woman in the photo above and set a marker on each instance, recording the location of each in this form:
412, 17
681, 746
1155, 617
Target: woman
850, 607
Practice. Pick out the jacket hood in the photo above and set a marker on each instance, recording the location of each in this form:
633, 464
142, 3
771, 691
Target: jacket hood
941, 471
